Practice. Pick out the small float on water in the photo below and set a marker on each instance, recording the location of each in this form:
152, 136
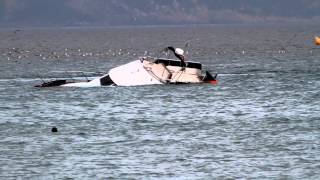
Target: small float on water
146, 71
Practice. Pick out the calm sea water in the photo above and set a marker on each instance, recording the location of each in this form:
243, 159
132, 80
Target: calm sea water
261, 121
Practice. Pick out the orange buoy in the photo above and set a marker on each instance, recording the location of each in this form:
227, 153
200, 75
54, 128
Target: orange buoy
317, 40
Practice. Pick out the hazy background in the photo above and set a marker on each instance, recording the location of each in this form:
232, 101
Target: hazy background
155, 12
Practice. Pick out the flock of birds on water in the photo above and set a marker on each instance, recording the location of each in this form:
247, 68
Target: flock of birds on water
18, 54
15, 53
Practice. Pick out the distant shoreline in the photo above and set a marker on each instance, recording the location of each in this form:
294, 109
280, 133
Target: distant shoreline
45, 27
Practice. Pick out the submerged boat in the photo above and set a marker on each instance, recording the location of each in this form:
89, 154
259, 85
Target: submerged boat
146, 71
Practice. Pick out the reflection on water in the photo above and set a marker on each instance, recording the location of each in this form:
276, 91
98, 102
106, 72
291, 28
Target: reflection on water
260, 121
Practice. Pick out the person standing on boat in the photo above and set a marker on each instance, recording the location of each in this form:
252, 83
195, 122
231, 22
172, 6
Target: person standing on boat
178, 52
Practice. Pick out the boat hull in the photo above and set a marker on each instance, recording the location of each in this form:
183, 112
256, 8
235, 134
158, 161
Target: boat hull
144, 72
132, 74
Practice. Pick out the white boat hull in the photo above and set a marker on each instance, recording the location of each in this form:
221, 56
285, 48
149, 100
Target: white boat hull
143, 72
132, 74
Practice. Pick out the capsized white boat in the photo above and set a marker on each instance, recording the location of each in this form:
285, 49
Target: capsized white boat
146, 71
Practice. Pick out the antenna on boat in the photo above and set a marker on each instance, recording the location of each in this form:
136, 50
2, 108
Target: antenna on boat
187, 44
186, 47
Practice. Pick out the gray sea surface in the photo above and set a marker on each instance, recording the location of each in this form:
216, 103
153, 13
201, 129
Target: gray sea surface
261, 121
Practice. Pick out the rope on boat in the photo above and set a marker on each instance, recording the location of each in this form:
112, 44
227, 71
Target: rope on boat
153, 75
